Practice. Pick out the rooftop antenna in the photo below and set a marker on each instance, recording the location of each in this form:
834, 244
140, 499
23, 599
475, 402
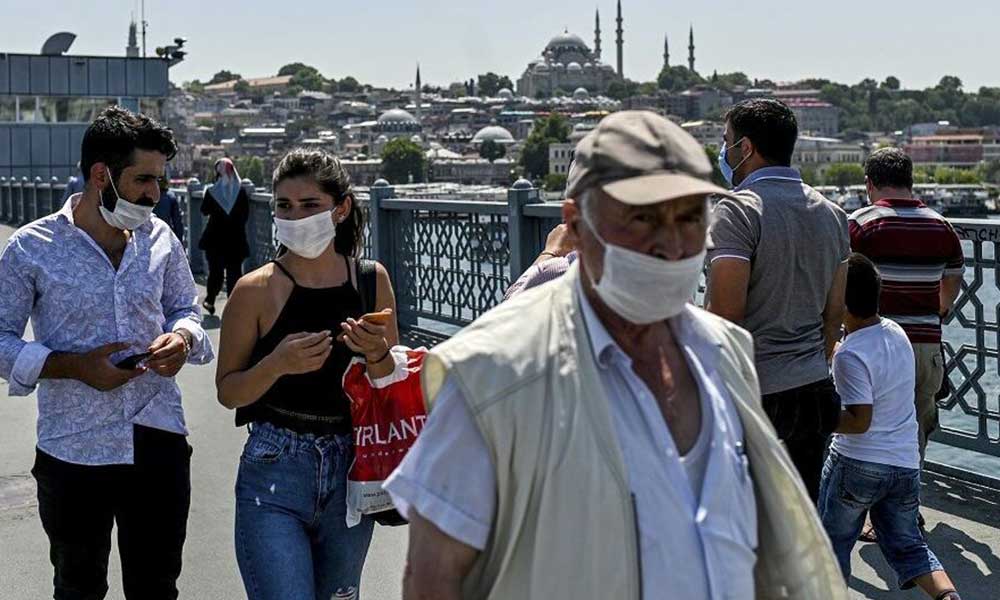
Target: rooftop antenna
144, 23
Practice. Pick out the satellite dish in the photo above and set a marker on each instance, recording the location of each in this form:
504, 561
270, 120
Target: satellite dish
58, 43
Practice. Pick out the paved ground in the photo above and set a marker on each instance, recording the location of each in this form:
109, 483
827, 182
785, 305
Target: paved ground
963, 520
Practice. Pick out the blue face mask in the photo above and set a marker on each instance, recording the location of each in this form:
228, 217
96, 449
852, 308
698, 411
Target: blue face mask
727, 171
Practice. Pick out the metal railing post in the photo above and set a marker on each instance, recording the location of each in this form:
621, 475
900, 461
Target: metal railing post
521, 234
4, 200
195, 225
249, 263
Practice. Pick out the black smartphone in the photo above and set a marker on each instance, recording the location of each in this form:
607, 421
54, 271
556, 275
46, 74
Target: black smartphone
132, 361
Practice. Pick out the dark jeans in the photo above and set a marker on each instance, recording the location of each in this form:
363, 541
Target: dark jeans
219, 266
804, 417
148, 500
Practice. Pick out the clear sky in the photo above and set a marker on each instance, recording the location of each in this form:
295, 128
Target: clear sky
380, 41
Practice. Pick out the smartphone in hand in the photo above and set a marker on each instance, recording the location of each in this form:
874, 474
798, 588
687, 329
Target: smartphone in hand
133, 361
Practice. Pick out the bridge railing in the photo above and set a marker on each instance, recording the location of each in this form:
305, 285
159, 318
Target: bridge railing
450, 261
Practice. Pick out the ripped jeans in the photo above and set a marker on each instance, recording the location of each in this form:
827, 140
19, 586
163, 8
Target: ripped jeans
292, 540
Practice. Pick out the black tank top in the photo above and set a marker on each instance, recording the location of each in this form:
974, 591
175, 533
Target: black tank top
311, 402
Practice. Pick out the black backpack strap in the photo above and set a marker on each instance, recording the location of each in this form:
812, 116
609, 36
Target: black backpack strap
367, 284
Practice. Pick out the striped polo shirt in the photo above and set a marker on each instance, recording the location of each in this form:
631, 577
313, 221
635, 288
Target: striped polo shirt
913, 247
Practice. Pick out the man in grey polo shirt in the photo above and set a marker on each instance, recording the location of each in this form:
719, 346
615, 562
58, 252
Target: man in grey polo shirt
778, 269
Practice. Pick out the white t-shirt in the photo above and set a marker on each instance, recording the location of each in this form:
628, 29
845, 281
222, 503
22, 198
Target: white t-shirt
875, 365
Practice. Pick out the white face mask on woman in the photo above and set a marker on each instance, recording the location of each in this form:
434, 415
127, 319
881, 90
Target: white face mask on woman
307, 237
126, 215
644, 289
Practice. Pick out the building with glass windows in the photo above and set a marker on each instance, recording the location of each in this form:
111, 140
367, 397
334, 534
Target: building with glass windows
47, 101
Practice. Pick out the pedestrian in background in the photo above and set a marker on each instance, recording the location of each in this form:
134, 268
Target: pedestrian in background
778, 269
168, 209
227, 206
874, 464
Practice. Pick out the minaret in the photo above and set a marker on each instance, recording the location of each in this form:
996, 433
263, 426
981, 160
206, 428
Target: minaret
597, 34
666, 52
418, 95
691, 49
620, 42
132, 50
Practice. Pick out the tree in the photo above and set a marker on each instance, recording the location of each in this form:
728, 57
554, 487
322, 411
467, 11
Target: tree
303, 76
619, 90
490, 83
677, 78
728, 81
224, 76
250, 167
809, 176
348, 85
403, 159
491, 150
242, 88
194, 87
891, 83
553, 129
712, 152
554, 182
844, 174
990, 171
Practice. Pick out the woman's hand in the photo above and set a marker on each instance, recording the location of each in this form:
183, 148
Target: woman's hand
301, 352
365, 337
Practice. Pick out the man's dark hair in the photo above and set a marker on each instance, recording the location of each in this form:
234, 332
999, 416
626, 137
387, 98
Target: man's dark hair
863, 286
889, 167
769, 124
114, 136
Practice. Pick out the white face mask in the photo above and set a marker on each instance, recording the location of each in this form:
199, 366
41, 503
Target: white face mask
127, 215
644, 289
307, 237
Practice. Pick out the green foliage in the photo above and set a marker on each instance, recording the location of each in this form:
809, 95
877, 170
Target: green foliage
250, 167
553, 129
843, 175
348, 85
870, 106
648, 88
619, 90
728, 81
402, 159
947, 175
490, 83
554, 182
677, 78
242, 88
810, 176
990, 171
491, 150
303, 76
223, 76
712, 151
195, 87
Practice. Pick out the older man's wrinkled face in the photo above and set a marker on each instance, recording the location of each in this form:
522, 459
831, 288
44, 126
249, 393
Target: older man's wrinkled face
670, 230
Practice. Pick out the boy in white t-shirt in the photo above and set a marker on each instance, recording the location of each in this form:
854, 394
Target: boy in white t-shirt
874, 462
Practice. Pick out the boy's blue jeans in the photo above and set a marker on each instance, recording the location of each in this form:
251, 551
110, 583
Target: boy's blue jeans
850, 489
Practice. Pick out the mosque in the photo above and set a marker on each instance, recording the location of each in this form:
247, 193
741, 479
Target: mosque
568, 65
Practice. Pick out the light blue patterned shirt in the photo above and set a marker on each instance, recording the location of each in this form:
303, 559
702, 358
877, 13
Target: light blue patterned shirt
56, 274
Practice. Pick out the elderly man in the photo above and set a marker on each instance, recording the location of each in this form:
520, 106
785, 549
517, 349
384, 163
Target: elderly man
598, 436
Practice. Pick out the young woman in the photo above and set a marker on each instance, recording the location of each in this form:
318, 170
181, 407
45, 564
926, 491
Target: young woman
288, 333
224, 241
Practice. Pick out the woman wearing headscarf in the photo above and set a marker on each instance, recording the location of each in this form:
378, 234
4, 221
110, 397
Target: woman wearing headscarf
227, 206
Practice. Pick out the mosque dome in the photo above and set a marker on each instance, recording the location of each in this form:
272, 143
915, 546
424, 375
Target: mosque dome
581, 93
493, 133
574, 66
567, 40
397, 116
505, 94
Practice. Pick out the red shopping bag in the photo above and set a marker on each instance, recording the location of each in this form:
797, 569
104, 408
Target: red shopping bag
387, 416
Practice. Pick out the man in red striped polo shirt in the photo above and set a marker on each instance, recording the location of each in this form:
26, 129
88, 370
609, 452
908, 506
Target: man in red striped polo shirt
920, 258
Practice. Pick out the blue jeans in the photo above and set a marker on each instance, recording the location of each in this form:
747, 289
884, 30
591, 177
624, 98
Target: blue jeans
292, 539
850, 489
